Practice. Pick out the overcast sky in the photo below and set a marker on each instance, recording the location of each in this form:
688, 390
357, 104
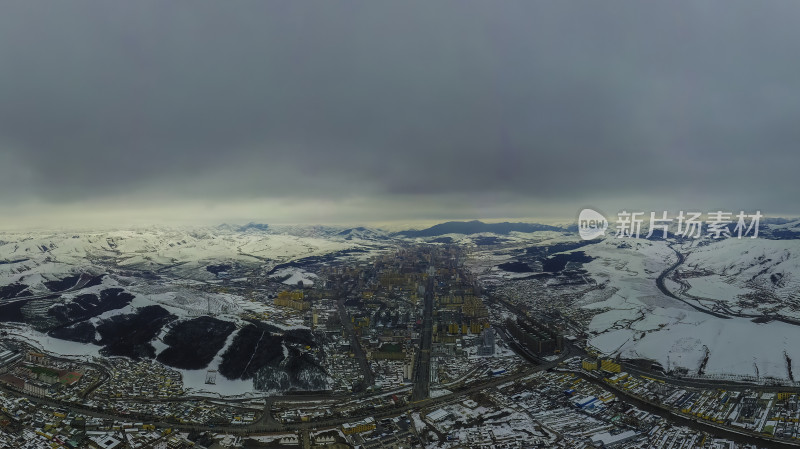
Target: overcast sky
339, 111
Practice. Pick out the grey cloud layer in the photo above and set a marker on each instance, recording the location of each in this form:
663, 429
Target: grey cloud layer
549, 101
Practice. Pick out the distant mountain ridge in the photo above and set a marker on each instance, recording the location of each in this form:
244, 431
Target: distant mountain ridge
477, 227
769, 228
253, 226
244, 228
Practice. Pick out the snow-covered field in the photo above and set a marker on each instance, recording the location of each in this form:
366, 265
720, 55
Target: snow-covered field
715, 287
767, 272
639, 321
295, 275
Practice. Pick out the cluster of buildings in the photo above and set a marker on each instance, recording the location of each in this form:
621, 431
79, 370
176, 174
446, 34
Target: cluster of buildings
371, 324
372, 335
289, 413
135, 389
190, 411
140, 379
335, 408
28, 425
586, 414
546, 298
460, 313
768, 412
36, 374
344, 368
388, 433
557, 409
293, 300
480, 422
535, 336
364, 425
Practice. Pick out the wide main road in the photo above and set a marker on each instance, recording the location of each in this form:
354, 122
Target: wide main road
422, 369
358, 351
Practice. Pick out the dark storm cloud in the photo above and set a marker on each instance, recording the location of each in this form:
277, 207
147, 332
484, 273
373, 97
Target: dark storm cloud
486, 102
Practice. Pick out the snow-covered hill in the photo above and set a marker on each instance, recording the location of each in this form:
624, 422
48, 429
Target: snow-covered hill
34, 258
747, 276
143, 292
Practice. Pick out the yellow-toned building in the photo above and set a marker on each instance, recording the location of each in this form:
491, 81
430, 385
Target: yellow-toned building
364, 425
589, 365
474, 307
293, 300
296, 296
610, 366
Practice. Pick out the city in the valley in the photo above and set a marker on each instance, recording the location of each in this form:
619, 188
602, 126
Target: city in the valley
460, 335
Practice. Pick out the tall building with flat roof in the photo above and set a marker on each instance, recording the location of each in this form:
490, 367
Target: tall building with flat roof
486, 342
